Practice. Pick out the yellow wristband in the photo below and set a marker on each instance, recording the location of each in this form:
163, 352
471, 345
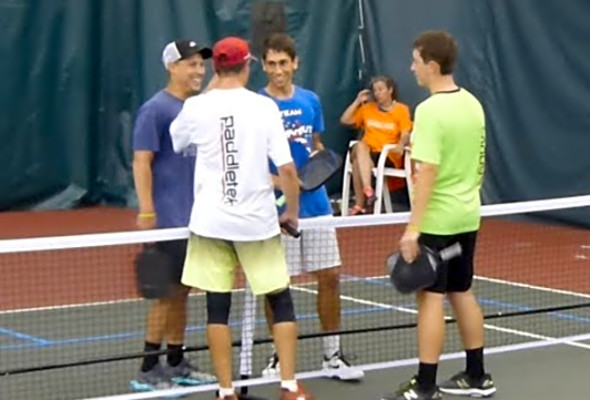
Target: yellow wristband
412, 228
147, 215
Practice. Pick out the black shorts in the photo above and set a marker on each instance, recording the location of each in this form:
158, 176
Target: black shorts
175, 249
456, 275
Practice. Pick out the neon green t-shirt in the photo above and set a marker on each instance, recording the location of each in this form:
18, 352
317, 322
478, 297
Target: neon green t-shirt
449, 131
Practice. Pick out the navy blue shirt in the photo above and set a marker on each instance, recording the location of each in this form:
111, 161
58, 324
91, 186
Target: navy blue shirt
302, 117
173, 173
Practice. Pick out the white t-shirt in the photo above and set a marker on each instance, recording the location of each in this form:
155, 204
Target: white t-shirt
236, 131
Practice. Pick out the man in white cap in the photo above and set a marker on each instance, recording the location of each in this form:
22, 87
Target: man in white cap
164, 186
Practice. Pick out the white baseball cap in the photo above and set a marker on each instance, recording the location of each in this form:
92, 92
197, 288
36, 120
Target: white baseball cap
181, 49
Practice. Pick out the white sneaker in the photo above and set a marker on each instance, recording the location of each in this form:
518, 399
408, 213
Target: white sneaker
273, 368
338, 367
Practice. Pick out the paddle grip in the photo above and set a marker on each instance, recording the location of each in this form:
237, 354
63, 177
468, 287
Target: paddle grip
450, 252
291, 230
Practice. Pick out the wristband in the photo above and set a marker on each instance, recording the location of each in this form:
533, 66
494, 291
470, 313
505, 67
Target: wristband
147, 215
412, 228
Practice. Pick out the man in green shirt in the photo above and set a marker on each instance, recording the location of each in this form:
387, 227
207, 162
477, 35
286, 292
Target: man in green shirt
448, 148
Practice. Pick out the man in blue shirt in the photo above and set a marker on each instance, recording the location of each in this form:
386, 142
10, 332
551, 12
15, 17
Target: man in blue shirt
164, 186
316, 251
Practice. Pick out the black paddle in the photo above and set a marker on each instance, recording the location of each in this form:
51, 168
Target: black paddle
154, 273
421, 273
317, 170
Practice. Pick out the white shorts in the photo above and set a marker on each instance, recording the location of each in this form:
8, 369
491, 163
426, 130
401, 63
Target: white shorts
316, 249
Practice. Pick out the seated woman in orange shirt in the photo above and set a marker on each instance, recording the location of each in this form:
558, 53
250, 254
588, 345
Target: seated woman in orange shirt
384, 120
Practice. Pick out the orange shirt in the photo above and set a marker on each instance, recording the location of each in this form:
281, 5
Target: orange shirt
383, 127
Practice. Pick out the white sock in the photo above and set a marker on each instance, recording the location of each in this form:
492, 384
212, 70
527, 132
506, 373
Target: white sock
291, 386
331, 345
223, 392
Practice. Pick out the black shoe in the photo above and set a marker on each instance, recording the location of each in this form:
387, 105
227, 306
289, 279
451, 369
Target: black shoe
411, 391
462, 385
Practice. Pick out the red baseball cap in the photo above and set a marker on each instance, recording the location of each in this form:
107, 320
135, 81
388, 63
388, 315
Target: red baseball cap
230, 52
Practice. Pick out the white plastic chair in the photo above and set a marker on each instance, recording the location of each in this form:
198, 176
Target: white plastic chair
380, 172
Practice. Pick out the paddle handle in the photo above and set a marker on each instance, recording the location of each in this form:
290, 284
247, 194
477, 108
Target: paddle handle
452, 251
291, 230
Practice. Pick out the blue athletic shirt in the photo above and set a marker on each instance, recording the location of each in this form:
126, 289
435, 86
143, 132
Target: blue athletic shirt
173, 173
302, 117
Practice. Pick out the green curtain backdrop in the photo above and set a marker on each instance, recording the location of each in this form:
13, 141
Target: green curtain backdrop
75, 72
528, 63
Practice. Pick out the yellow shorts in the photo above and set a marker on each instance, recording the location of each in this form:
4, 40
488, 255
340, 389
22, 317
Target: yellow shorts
210, 264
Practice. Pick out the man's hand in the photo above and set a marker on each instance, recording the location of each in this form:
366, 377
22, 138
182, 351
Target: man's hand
363, 96
146, 220
289, 218
408, 245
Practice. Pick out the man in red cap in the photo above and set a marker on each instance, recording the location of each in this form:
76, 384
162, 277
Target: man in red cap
234, 218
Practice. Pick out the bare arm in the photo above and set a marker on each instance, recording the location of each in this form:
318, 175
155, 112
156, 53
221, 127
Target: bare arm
422, 191
289, 183
405, 123
403, 142
347, 117
425, 179
276, 181
405, 138
143, 179
317, 142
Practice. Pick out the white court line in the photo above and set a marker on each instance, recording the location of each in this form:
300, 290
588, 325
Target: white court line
349, 279
365, 367
504, 282
92, 304
137, 299
81, 305
533, 287
413, 311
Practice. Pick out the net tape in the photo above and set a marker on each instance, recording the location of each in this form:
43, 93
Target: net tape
138, 237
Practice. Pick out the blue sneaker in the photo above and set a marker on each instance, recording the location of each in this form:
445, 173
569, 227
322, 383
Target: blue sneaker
154, 379
185, 374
